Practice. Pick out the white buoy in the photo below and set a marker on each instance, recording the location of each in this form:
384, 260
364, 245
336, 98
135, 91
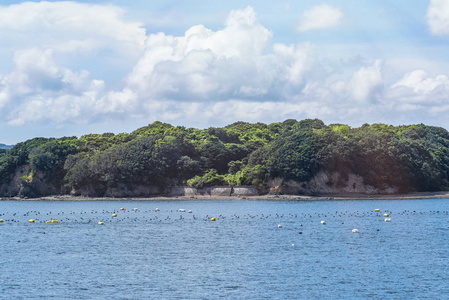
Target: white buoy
293, 245
323, 222
135, 209
279, 226
181, 210
387, 220
157, 209
355, 231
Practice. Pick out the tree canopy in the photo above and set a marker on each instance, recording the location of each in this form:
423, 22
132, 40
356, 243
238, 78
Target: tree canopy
411, 158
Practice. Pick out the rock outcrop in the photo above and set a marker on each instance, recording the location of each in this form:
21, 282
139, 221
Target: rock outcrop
215, 191
26, 184
325, 183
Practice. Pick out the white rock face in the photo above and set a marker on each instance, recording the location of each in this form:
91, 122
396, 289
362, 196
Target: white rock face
326, 183
215, 191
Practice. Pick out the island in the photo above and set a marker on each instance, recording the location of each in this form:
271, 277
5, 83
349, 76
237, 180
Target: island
292, 159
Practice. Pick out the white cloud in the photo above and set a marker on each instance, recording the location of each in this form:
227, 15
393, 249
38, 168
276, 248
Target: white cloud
41, 37
70, 27
203, 77
367, 83
364, 86
419, 82
206, 65
226, 75
438, 17
417, 87
320, 16
37, 89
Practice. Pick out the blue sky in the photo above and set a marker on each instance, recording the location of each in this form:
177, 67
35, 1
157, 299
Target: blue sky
78, 67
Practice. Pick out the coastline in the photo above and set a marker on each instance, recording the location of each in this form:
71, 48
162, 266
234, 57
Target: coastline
323, 197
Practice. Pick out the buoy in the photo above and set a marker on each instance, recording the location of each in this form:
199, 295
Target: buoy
323, 222
100, 223
135, 209
377, 210
386, 215
157, 209
387, 220
279, 226
114, 215
293, 245
48, 221
31, 221
54, 221
213, 219
181, 210
1, 220
122, 208
355, 231
189, 211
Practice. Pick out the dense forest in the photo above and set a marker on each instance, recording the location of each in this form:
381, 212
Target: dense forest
405, 158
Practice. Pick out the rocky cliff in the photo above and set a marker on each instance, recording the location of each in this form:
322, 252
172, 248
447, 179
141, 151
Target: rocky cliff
26, 184
326, 183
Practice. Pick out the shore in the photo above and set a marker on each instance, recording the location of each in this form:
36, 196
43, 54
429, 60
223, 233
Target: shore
419, 195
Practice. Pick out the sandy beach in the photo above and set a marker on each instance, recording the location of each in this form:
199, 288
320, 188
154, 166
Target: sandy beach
418, 195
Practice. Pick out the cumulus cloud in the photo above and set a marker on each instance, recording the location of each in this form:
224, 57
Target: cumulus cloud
37, 88
230, 74
367, 82
41, 37
70, 27
318, 17
364, 86
208, 65
438, 17
203, 77
418, 88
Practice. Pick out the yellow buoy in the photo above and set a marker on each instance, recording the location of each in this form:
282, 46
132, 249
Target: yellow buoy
100, 223
213, 219
190, 211
377, 210
31, 221
386, 215
47, 221
54, 221
1, 220
114, 215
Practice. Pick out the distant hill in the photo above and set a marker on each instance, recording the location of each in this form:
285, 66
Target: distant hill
3, 146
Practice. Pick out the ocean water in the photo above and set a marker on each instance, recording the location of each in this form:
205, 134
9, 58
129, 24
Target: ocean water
244, 254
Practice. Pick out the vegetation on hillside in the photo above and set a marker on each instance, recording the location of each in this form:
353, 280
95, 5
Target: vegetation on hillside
411, 158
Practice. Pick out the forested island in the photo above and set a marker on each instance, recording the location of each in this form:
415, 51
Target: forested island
293, 157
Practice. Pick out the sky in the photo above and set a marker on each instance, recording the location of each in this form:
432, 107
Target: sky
79, 67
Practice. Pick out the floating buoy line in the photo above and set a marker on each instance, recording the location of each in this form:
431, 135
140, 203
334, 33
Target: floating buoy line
301, 224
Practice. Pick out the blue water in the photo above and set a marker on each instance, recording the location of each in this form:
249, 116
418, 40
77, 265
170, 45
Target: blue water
169, 254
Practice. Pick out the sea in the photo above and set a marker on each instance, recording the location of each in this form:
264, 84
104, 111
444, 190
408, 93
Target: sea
254, 249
